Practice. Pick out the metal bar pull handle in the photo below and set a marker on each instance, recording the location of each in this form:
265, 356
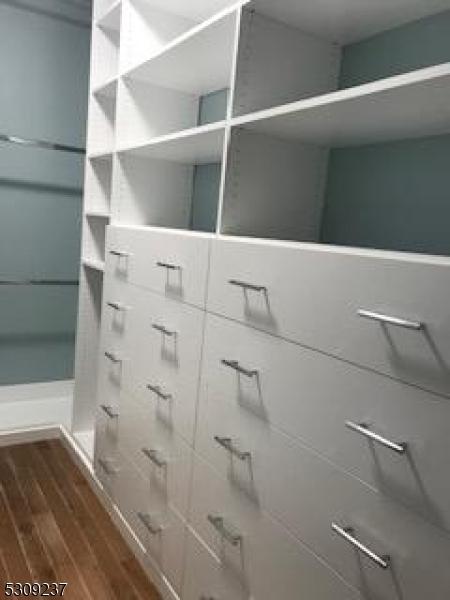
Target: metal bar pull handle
163, 330
388, 320
113, 358
234, 364
225, 530
158, 391
149, 523
228, 444
116, 306
363, 429
120, 253
155, 457
247, 286
107, 467
109, 411
168, 266
347, 534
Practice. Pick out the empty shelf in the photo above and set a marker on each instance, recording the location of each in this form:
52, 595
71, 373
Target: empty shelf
199, 145
347, 21
197, 62
400, 107
111, 18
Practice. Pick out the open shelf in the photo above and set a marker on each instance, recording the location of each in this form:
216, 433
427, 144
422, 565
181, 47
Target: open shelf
166, 95
291, 50
199, 145
92, 263
107, 89
98, 184
411, 105
111, 18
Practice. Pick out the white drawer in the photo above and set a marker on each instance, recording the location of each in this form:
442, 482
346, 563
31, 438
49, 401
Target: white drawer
207, 577
268, 559
313, 297
167, 362
171, 263
307, 494
312, 396
161, 531
160, 454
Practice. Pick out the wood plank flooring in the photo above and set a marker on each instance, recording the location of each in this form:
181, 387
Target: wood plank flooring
54, 529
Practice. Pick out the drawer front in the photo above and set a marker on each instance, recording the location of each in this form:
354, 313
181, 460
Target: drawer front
163, 363
159, 454
267, 559
313, 297
316, 399
207, 577
307, 494
161, 531
171, 263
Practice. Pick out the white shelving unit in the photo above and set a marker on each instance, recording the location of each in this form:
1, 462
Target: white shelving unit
322, 129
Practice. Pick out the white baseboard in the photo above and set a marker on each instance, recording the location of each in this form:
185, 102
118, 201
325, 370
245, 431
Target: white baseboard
34, 434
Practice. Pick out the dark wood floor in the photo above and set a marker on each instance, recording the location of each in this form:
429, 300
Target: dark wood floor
54, 529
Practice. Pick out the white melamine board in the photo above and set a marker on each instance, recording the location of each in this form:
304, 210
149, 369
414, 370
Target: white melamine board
274, 188
92, 263
102, 114
348, 21
147, 29
198, 10
197, 62
405, 106
104, 57
153, 192
200, 145
97, 190
107, 89
278, 64
97, 214
145, 112
111, 19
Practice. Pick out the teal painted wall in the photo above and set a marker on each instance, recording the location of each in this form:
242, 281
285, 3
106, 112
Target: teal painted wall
44, 69
413, 46
391, 196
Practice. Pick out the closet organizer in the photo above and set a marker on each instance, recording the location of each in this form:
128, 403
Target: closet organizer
264, 329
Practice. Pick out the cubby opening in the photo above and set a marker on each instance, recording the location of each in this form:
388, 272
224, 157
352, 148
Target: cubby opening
390, 194
94, 242
165, 95
174, 183
102, 118
149, 27
290, 50
98, 184
105, 49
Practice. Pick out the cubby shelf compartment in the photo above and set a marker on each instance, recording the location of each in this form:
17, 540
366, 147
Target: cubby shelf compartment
92, 263
404, 106
198, 145
108, 89
97, 214
197, 62
110, 19
347, 21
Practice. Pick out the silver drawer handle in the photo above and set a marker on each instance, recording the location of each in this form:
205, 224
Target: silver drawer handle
386, 319
228, 444
113, 358
247, 286
225, 530
234, 364
347, 534
155, 457
119, 253
116, 305
363, 429
149, 524
109, 411
106, 466
158, 391
168, 266
163, 330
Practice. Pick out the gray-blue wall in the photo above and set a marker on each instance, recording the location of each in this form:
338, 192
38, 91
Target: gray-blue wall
44, 70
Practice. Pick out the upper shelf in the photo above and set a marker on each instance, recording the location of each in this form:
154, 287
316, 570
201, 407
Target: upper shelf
405, 106
197, 62
199, 145
111, 18
197, 10
348, 21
